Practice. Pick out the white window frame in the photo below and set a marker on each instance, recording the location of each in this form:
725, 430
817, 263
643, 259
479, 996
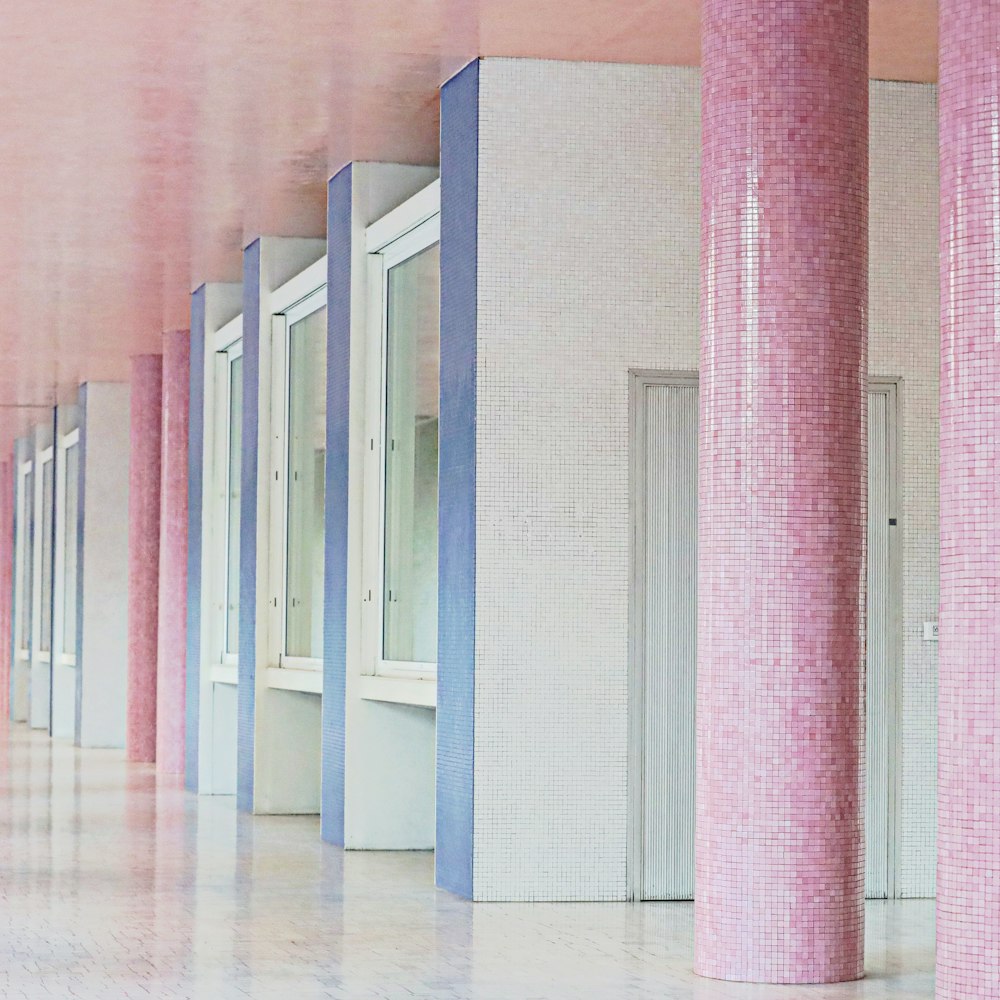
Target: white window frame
405, 232
226, 345
25, 551
66, 442
45, 456
298, 298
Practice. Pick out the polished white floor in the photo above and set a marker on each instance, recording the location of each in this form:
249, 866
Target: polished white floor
115, 886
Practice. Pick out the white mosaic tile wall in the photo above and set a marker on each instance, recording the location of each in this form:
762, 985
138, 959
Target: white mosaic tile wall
588, 266
904, 343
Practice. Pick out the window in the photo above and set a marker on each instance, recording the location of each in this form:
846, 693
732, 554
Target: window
233, 361
67, 540
305, 479
402, 551
45, 584
297, 504
25, 559
224, 400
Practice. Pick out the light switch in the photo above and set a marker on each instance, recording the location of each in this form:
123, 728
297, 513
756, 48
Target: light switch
930, 631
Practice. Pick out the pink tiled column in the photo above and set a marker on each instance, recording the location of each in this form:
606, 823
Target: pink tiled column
173, 554
143, 554
779, 893
968, 881
6, 582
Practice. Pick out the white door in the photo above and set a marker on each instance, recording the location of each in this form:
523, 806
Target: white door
666, 615
880, 724
665, 455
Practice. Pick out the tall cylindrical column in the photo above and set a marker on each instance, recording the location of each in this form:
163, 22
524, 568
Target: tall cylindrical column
779, 891
968, 879
171, 669
145, 405
6, 582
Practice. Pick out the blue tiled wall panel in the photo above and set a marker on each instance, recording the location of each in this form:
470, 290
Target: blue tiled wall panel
246, 693
338, 360
457, 481
196, 439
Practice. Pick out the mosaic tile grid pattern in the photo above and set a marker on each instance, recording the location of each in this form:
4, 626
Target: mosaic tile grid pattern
247, 659
338, 403
102, 565
6, 581
145, 408
457, 464
18, 681
81, 520
779, 847
904, 344
119, 886
968, 936
590, 269
541, 299
172, 628
196, 457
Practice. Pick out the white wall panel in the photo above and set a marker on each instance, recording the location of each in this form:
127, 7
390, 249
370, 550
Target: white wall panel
588, 266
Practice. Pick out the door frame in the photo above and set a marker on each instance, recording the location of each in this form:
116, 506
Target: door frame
894, 644
639, 380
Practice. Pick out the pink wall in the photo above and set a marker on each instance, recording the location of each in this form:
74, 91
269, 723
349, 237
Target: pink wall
144, 555
968, 922
173, 553
779, 850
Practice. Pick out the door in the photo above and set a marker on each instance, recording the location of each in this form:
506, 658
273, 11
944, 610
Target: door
881, 676
666, 614
664, 627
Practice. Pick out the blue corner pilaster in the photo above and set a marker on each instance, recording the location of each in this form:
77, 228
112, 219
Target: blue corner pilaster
196, 465
338, 384
247, 662
457, 481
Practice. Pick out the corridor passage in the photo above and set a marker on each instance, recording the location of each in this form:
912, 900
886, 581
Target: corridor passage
116, 887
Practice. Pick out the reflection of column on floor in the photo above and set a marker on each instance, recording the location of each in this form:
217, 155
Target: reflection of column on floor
6, 583
172, 628
144, 554
968, 881
779, 846
139, 846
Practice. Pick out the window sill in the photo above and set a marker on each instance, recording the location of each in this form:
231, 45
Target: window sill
223, 673
421, 692
292, 679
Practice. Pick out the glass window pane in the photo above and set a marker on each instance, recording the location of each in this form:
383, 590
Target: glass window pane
71, 510
45, 611
306, 485
233, 506
411, 460
27, 557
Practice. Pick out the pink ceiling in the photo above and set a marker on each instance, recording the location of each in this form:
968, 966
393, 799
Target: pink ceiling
146, 143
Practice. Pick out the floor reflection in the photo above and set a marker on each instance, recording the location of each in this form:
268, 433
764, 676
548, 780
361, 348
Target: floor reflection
118, 886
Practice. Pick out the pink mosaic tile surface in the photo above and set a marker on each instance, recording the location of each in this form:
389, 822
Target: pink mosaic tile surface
968, 929
144, 555
779, 852
172, 646
6, 581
